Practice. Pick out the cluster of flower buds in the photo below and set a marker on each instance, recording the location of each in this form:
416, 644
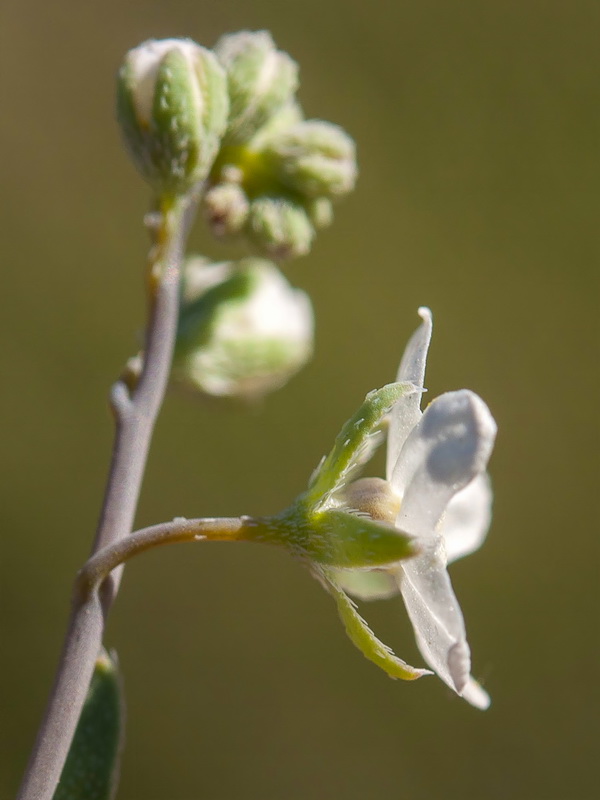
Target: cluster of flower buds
243, 330
229, 117
227, 122
276, 173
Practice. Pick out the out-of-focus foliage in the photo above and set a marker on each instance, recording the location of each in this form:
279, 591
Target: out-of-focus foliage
476, 125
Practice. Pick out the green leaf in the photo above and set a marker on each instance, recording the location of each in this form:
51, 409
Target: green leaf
91, 768
364, 638
343, 539
354, 444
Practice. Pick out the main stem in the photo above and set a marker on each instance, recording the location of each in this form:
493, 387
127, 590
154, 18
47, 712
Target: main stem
135, 413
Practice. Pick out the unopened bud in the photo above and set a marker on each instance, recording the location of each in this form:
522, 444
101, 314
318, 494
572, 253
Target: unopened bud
315, 158
261, 80
288, 115
172, 105
320, 211
375, 497
244, 335
225, 208
279, 227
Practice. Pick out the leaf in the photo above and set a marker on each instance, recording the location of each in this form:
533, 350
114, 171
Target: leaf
91, 768
364, 638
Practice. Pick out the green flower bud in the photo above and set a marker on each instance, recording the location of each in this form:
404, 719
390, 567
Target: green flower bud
261, 80
243, 330
314, 158
172, 106
320, 211
225, 208
279, 227
288, 115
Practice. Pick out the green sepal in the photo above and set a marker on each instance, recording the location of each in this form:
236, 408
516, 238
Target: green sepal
334, 537
135, 133
175, 120
346, 540
91, 768
354, 444
363, 637
261, 80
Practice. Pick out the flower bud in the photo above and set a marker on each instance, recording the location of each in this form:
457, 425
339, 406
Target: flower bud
315, 158
261, 80
279, 227
288, 115
246, 333
172, 106
225, 208
375, 497
320, 211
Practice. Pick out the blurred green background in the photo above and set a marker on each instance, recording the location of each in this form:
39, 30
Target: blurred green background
477, 132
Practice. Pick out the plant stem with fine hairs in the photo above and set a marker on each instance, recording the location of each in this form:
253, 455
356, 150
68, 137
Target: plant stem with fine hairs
135, 409
212, 529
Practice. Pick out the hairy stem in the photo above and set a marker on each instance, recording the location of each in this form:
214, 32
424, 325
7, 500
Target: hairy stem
135, 412
220, 529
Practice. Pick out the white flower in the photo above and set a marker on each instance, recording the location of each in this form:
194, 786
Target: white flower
436, 464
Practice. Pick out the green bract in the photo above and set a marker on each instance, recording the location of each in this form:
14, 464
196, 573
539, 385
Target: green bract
172, 105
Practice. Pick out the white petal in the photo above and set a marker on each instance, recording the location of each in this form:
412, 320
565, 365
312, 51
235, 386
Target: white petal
444, 452
476, 695
436, 616
366, 584
406, 413
467, 518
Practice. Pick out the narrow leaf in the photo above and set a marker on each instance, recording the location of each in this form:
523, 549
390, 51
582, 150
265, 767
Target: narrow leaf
91, 768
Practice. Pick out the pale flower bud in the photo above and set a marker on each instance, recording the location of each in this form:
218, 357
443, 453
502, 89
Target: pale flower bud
172, 105
225, 208
320, 211
246, 333
288, 115
375, 497
281, 228
315, 158
261, 80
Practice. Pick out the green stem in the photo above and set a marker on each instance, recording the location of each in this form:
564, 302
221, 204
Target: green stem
99, 566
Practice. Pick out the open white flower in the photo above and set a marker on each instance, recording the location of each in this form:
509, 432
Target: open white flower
436, 464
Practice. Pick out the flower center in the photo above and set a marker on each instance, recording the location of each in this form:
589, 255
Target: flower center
375, 497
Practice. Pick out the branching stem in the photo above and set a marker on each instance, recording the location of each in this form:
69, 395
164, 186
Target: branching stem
135, 410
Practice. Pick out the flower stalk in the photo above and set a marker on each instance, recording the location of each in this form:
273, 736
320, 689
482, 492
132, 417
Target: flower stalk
135, 409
